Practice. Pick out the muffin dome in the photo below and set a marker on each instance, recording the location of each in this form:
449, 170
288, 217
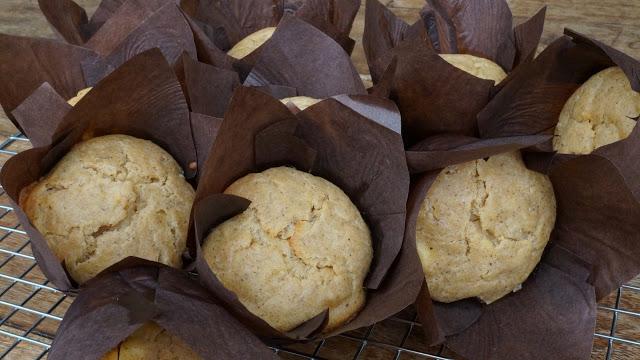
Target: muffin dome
300, 248
109, 198
482, 228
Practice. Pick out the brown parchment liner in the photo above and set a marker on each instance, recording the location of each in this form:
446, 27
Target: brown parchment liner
165, 28
593, 248
47, 69
423, 84
119, 30
26, 63
109, 26
226, 23
142, 98
299, 60
553, 316
300, 56
329, 139
334, 17
208, 88
536, 95
538, 91
133, 292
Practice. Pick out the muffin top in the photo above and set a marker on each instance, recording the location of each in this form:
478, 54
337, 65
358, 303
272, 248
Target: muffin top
108, 198
301, 102
253, 41
300, 248
476, 66
599, 113
482, 228
151, 342
76, 99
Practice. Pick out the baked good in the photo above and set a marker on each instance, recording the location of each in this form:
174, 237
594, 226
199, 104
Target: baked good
108, 198
247, 45
151, 342
301, 102
482, 228
367, 81
74, 100
476, 66
599, 113
300, 248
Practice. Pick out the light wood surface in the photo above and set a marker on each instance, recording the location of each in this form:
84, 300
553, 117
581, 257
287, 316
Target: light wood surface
615, 22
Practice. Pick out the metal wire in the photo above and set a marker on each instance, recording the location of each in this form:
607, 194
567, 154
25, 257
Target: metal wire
31, 310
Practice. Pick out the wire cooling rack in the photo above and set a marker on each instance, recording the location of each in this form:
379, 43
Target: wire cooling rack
31, 309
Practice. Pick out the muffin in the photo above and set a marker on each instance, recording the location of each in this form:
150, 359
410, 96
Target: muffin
111, 197
300, 248
76, 99
301, 102
482, 228
600, 112
247, 45
151, 342
476, 66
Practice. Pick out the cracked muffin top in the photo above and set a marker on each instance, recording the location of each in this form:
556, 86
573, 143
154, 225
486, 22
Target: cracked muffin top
250, 43
151, 342
482, 228
300, 248
602, 111
476, 66
111, 197
81, 94
301, 102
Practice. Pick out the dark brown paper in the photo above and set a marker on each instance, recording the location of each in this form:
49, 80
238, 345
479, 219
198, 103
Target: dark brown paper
380, 110
111, 23
441, 151
39, 113
208, 88
133, 292
553, 316
207, 51
333, 17
423, 84
300, 56
114, 21
600, 221
26, 63
226, 23
105, 10
166, 29
536, 95
554, 313
205, 130
593, 248
68, 19
332, 141
537, 92
383, 32
142, 98
124, 20
433, 96
121, 29
476, 27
